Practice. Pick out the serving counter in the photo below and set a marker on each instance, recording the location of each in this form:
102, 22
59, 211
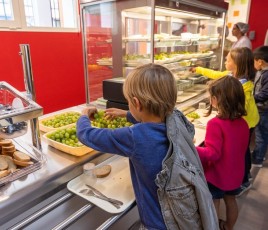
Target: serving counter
41, 199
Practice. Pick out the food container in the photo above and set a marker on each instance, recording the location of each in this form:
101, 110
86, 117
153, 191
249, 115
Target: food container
45, 128
195, 37
186, 36
20, 169
76, 151
183, 84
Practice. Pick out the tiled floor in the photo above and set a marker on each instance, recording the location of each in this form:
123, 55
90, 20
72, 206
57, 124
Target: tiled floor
253, 205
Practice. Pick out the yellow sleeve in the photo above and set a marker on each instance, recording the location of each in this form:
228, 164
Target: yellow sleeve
212, 74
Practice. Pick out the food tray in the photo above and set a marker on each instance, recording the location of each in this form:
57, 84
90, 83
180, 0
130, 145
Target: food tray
202, 121
167, 43
137, 62
104, 63
198, 88
23, 171
20, 173
76, 151
185, 96
199, 136
49, 129
116, 185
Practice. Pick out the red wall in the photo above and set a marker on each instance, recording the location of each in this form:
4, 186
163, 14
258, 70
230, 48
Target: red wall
57, 65
258, 21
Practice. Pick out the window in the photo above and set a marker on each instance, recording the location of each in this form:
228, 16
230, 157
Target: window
55, 13
6, 12
29, 12
45, 15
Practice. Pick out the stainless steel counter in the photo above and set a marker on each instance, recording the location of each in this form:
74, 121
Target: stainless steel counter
45, 190
41, 200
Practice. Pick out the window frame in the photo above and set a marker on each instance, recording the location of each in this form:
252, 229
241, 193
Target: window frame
19, 23
12, 24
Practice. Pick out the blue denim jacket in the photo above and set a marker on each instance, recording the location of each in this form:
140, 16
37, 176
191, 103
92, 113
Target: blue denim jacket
185, 200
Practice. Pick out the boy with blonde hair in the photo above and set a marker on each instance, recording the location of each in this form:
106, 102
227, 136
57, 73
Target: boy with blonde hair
157, 180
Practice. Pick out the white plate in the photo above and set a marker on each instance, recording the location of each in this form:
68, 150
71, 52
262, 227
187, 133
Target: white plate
116, 185
17, 103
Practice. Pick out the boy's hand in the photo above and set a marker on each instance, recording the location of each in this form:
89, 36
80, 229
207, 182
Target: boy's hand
90, 111
113, 112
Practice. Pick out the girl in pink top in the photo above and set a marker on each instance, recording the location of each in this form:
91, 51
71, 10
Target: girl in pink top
223, 153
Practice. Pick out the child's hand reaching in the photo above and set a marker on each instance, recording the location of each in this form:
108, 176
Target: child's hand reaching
90, 111
192, 69
113, 112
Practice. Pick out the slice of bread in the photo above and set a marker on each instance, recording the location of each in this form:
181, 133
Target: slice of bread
11, 166
102, 171
22, 163
20, 156
4, 173
8, 153
9, 148
5, 142
3, 163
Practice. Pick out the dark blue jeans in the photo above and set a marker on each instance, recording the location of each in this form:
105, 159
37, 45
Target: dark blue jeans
261, 137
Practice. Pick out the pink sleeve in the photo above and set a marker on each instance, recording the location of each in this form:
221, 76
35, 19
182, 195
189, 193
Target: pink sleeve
212, 149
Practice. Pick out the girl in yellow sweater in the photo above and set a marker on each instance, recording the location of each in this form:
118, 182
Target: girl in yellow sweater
240, 64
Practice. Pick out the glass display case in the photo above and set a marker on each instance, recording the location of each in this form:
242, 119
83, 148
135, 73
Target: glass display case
120, 35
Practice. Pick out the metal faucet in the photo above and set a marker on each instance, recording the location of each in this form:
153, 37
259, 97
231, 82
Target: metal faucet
30, 91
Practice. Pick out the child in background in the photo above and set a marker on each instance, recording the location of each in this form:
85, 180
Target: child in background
151, 93
261, 97
240, 64
225, 145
